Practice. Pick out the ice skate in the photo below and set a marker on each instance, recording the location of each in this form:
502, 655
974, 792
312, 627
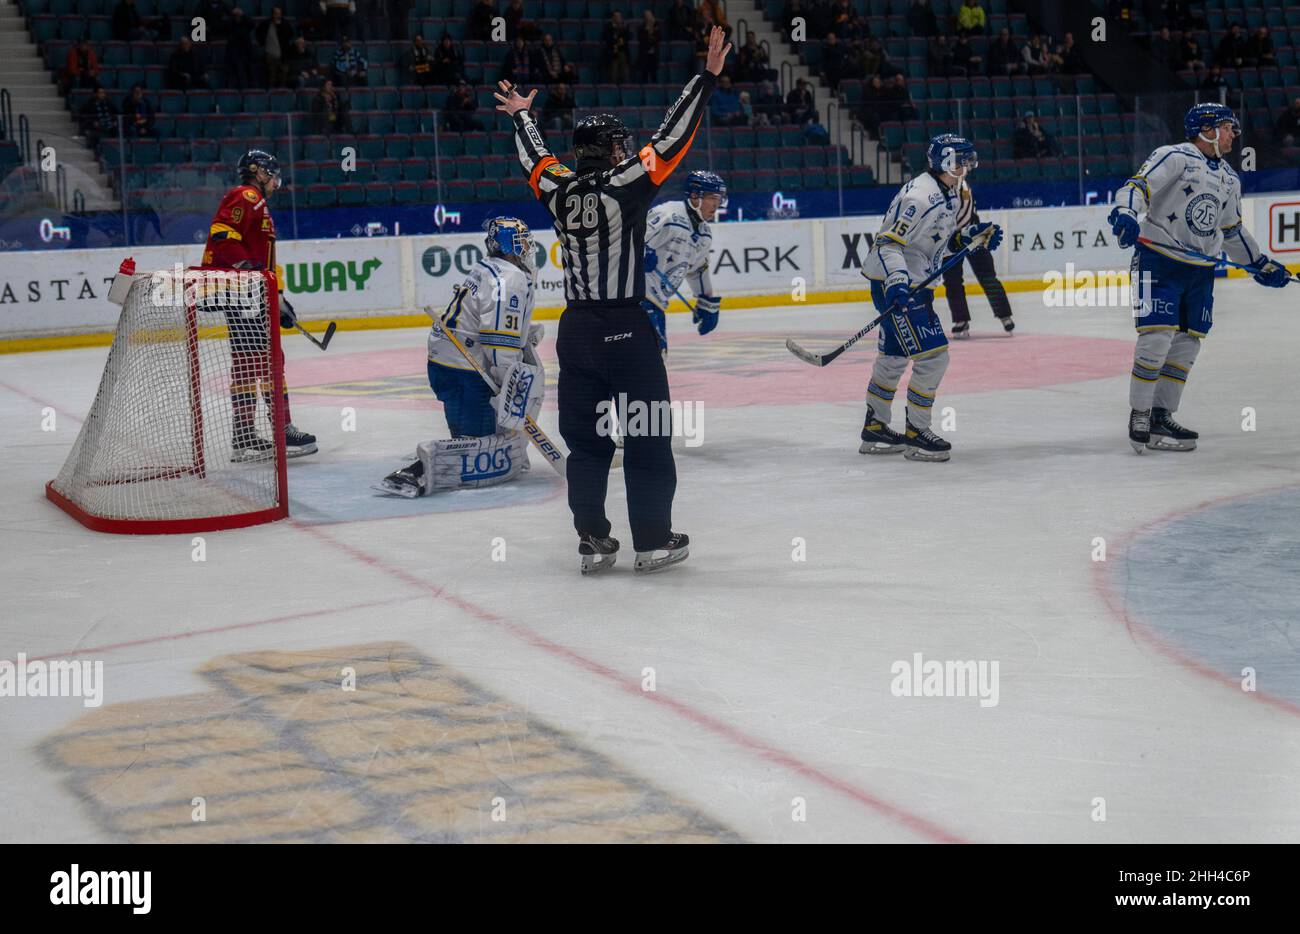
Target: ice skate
1139, 429
249, 448
1007, 324
674, 551
597, 553
298, 443
924, 445
407, 482
879, 438
1167, 435
961, 330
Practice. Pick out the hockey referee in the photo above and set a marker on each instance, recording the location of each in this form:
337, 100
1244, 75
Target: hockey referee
607, 347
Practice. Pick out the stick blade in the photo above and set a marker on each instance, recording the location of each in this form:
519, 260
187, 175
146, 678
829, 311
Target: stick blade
807, 356
329, 335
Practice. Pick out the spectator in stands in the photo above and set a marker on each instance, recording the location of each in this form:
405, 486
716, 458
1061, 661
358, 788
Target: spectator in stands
1259, 49
216, 18
417, 63
448, 62
874, 109
713, 10
338, 18
870, 57
239, 50
971, 20
82, 67
300, 64
557, 112
648, 36
275, 36
841, 18
1231, 52
458, 111
724, 105
1189, 55
835, 64
549, 65
617, 42
1162, 48
1287, 129
1031, 140
939, 61
887, 69
518, 25
899, 100
127, 24
814, 134
746, 109
769, 109
1004, 56
964, 57
140, 114
330, 110
1035, 56
183, 70
98, 118
350, 66
752, 63
682, 22
480, 20
819, 18
799, 104
517, 65
921, 19
1213, 81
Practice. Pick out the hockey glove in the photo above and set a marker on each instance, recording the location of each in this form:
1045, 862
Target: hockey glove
520, 397
658, 320
897, 296
966, 237
706, 312
288, 317
1270, 273
1124, 225
651, 260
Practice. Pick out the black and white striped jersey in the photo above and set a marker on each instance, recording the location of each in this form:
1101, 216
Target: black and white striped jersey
600, 216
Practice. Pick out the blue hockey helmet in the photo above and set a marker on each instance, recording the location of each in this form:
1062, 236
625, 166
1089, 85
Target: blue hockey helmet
508, 237
701, 182
948, 151
1205, 116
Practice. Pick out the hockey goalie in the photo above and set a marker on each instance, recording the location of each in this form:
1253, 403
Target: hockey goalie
490, 315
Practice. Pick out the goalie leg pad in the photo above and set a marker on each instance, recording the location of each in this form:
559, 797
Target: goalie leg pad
471, 463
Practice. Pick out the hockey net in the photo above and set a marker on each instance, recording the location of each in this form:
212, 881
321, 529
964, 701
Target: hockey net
186, 433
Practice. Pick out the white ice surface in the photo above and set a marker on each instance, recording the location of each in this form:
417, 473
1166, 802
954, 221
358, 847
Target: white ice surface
773, 676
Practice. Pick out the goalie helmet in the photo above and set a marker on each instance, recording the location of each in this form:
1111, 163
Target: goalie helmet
599, 137
949, 151
256, 159
509, 237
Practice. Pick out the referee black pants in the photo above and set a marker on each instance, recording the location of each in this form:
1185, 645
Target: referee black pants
611, 352
981, 262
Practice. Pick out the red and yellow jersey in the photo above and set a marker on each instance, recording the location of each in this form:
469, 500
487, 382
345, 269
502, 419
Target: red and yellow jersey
242, 234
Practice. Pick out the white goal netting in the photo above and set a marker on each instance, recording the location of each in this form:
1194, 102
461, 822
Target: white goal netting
186, 430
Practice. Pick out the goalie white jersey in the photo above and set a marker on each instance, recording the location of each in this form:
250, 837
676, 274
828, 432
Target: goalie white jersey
490, 313
913, 237
1190, 201
682, 241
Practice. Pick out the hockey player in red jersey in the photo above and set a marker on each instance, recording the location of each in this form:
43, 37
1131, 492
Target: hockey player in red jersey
242, 236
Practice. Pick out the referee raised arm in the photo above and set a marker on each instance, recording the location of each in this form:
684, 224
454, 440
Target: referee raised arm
607, 346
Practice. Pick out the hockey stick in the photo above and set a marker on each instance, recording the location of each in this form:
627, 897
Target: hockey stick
324, 342
550, 450
821, 359
1145, 241
676, 291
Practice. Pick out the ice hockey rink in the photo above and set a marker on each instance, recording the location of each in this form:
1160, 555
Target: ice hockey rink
744, 696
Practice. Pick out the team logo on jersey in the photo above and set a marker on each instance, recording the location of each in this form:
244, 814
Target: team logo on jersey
250, 195
1202, 214
911, 210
